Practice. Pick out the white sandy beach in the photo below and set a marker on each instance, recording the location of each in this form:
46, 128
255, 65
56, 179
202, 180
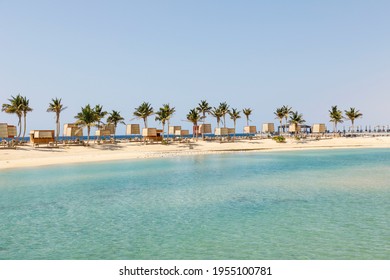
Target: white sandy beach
27, 156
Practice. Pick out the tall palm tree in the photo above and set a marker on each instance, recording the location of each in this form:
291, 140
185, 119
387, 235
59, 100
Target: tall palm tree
234, 115
169, 112
286, 112
203, 107
247, 112
193, 116
216, 113
115, 118
15, 106
296, 119
143, 112
25, 109
279, 113
87, 118
56, 107
100, 114
336, 116
162, 115
224, 110
352, 115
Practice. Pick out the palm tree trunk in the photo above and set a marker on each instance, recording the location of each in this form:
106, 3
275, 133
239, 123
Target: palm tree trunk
58, 126
163, 125
89, 131
20, 126
24, 125
280, 128
234, 135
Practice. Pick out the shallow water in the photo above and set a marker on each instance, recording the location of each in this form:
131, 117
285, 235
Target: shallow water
329, 204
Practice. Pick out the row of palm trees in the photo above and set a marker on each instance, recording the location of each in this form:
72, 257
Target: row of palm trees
93, 116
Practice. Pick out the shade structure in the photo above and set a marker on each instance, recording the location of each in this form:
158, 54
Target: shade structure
102, 132
172, 129
149, 132
72, 130
205, 128
3, 130
319, 128
182, 132
250, 129
12, 132
219, 131
133, 129
268, 128
41, 136
231, 130
110, 127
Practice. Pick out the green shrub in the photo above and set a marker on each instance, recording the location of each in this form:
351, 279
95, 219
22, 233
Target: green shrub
279, 139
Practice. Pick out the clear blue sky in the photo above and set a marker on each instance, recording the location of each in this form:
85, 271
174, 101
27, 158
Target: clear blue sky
259, 54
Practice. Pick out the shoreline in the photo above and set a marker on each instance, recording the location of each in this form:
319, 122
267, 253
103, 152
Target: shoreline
28, 156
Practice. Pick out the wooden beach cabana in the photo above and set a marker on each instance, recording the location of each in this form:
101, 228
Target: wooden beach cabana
38, 137
268, 128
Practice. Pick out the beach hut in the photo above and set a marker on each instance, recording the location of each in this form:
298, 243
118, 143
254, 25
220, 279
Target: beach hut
110, 127
3, 130
231, 130
152, 134
221, 131
268, 128
12, 132
72, 130
102, 132
319, 128
172, 129
7, 131
133, 129
182, 132
41, 137
250, 129
205, 128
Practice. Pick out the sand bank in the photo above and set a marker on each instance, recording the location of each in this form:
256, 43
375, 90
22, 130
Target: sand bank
27, 156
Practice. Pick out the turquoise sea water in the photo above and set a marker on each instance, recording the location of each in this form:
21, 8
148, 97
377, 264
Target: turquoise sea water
292, 205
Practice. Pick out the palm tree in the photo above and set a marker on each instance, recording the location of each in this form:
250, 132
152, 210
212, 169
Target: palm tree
353, 114
143, 112
15, 107
25, 109
162, 116
87, 117
203, 107
336, 116
296, 119
286, 112
193, 116
100, 114
279, 113
115, 118
217, 113
56, 107
247, 112
169, 112
234, 115
224, 110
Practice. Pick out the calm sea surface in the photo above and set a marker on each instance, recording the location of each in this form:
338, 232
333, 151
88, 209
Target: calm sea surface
291, 205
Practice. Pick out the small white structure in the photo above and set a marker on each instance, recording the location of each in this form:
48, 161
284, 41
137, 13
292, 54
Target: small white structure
250, 129
41, 136
268, 128
133, 129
